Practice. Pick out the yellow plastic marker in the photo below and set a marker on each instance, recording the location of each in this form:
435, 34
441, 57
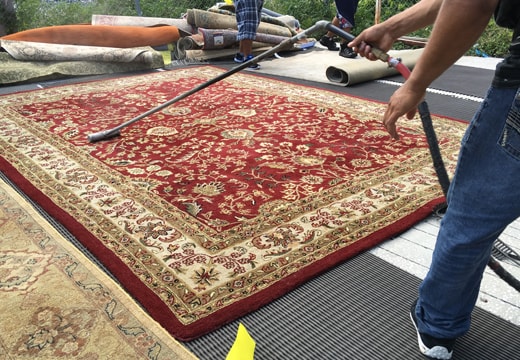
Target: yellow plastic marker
244, 346
167, 54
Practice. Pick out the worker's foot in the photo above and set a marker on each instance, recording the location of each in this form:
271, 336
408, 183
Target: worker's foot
429, 346
347, 52
329, 43
240, 58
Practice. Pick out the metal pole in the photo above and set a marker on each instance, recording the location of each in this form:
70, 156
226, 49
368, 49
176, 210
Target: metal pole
377, 18
107, 134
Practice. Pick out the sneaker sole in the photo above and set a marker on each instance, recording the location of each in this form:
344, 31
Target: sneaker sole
436, 352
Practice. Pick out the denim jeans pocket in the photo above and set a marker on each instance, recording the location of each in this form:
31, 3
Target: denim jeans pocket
510, 137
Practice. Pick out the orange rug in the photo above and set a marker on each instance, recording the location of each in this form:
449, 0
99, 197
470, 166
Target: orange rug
56, 304
219, 204
100, 35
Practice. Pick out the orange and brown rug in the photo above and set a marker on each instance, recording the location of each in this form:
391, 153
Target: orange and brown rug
56, 304
226, 200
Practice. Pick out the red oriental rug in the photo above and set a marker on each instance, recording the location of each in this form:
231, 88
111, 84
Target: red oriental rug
226, 200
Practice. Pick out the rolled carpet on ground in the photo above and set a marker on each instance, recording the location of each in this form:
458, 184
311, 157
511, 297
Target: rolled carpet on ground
100, 35
354, 71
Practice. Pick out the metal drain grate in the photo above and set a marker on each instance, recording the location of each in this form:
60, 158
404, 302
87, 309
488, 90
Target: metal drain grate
503, 252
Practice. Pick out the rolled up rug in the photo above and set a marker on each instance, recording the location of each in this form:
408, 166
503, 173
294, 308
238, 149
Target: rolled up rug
35, 51
203, 55
194, 42
116, 20
100, 35
347, 72
193, 48
212, 20
37, 64
222, 38
216, 39
267, 16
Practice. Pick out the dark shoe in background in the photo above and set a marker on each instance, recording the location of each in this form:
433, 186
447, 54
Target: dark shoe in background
329, 43
240, 58
252, 66
347, 52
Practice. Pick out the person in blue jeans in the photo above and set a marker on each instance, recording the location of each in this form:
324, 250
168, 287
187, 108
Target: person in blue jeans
344, 19
484, 196
248, 14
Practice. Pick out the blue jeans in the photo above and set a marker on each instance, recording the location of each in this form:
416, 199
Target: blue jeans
484, 197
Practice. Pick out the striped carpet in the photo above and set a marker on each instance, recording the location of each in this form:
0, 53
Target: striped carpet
358, 310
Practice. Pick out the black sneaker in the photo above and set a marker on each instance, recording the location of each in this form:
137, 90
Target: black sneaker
329, 43
252, 66
429, 346
347, 52
239, 58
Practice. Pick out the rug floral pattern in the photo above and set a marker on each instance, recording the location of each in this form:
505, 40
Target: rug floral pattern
230, 191
56, 304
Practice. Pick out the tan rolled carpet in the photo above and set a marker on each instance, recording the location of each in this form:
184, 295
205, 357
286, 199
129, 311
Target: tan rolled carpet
354, 71
29, 61
115, 20
313, 66
36, 51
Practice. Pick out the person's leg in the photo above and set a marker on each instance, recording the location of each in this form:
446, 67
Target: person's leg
248, 15
484, 197
346, 14
335, 22
246, 47
345, 25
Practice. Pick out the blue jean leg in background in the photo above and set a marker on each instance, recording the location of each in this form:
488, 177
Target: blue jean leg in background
484, 197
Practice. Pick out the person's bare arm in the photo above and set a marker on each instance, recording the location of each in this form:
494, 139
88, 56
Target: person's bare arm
385, 34
458, 26
459, 23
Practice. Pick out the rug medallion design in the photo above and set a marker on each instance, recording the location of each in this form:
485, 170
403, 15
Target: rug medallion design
227, 199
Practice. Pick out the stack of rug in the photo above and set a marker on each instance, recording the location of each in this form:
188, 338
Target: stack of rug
124, 43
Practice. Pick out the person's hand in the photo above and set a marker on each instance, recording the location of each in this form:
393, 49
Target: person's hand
404, 101
377, 36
